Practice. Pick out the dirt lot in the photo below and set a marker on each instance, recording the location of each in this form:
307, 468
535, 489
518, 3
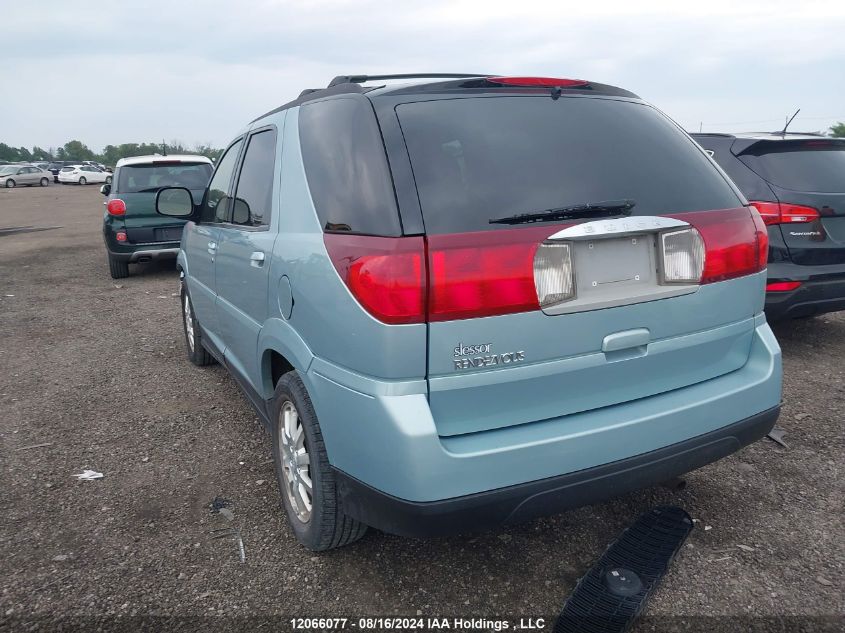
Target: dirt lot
97, 369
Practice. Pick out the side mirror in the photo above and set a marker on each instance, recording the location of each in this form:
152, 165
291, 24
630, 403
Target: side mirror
175, 202
105, 189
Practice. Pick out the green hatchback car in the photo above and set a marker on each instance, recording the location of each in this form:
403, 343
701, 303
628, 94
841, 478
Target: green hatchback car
132, 230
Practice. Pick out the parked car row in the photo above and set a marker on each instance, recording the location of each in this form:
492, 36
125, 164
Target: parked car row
26, 175
57, 166
476, 300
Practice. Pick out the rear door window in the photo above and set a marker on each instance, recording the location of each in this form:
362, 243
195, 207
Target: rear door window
476, 159
817, 166
254, 197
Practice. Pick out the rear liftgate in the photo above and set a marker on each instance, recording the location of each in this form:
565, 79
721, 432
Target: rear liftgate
613, 593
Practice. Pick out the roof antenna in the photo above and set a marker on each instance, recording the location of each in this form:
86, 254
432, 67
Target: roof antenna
783, 131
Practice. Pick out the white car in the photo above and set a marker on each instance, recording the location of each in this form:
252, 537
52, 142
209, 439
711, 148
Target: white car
83, 175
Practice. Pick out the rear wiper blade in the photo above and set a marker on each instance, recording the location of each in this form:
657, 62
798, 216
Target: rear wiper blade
589, 210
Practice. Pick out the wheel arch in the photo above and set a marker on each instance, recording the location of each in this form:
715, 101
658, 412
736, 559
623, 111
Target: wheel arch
281, 350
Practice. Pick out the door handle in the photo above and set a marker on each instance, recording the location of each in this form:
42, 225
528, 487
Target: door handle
256, 259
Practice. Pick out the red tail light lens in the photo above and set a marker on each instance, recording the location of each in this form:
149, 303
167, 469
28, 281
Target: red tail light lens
385, 274
116, 206
785, 213
550, 82
735, 243
782, 286
484, 273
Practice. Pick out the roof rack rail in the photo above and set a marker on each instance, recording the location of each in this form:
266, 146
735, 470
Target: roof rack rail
358, 79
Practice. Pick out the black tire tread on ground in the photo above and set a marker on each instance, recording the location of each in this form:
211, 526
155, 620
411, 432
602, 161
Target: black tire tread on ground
118, 268
199, 356
647, 548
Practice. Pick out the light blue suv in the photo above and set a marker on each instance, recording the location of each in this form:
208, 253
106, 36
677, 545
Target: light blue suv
474, 300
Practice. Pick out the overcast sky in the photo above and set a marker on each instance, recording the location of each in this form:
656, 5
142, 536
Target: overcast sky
197, 71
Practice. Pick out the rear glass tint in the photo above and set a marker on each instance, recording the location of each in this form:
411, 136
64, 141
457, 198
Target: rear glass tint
800, 166
347, 168
481, 158
152, 177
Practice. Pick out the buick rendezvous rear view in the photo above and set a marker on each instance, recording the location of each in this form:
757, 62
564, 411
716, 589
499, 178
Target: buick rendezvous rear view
473, 300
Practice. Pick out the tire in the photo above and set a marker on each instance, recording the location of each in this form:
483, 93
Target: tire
197, 354
108, 180
82, 180
44, 182
10, 184
119, 268
325, 526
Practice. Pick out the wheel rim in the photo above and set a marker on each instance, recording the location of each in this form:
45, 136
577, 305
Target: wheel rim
189, 323
44, 182
296, 462
10, 183
82, 181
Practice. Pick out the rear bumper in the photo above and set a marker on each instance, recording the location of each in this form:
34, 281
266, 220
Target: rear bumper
381, 436
822, 290
522, 502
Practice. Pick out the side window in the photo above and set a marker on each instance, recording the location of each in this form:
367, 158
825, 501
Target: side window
215, 207
254, 197
346, 167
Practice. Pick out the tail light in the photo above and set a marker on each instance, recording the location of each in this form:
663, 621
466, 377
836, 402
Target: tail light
550, 82
484, 273
553, 274
782, 286
733, 246
116, 206
487, 273
785, 213
385, 274
683, 256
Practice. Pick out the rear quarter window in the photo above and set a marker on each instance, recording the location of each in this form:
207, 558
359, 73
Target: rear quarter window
346, 167
476, 159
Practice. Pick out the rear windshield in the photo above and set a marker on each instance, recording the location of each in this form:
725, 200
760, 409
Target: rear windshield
800, 166
481, 158
150, 178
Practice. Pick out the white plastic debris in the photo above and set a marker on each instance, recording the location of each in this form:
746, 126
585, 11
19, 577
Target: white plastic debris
88, 475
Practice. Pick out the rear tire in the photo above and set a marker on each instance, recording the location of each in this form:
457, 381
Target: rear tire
108, 180
44, 182
300, 459
197, 354
10, 184
119, 268
82, 180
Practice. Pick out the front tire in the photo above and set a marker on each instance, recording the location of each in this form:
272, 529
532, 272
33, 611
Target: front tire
10, 184
82, 180
119, 268
44, 182
303, 472
197, 354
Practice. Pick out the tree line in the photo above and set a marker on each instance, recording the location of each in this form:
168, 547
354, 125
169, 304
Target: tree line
76, 150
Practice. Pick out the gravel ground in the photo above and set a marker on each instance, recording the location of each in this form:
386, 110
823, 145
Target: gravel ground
97, 370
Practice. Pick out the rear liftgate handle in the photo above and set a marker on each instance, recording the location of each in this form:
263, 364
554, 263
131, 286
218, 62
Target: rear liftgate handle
626, 344
256, 260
